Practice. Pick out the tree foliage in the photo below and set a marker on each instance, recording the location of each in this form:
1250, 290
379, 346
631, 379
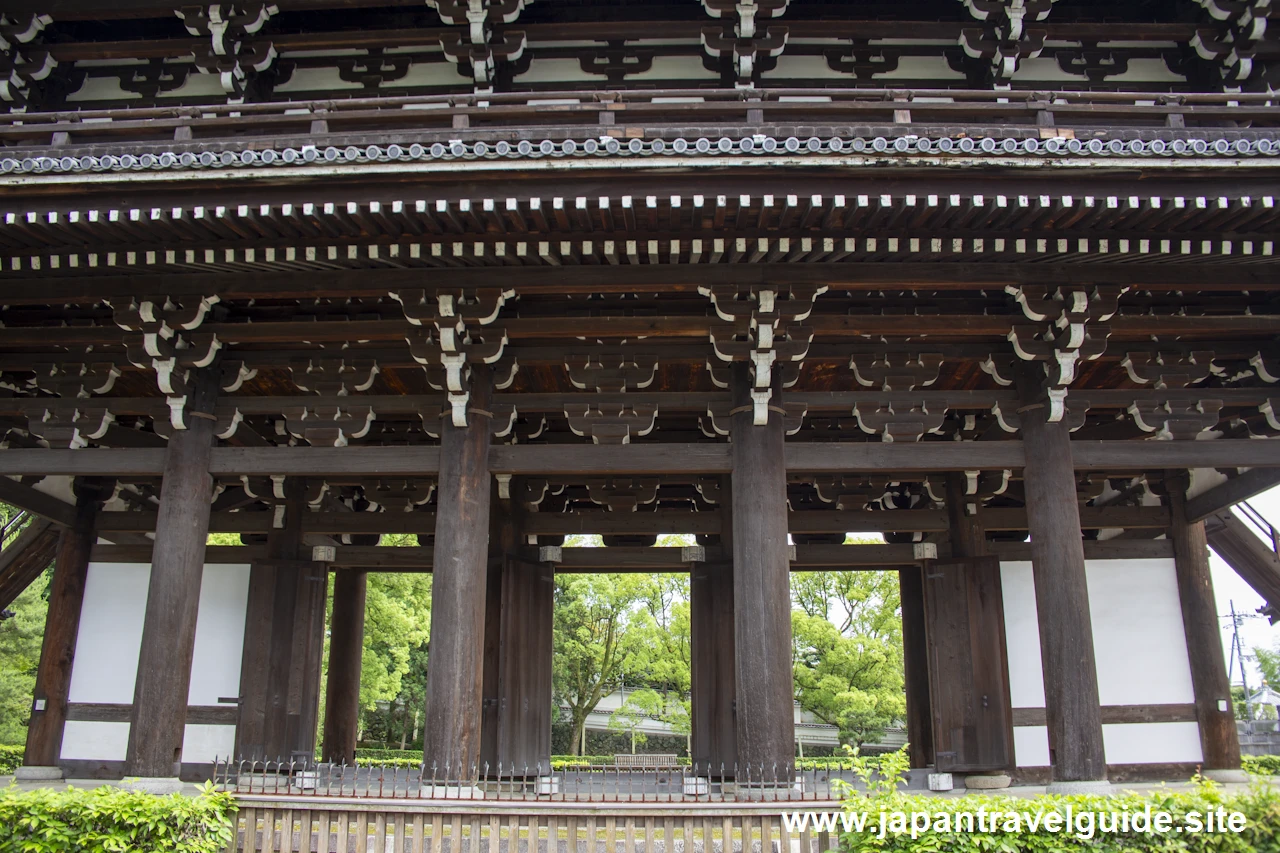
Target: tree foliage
847, 643
1269, 663
20, 639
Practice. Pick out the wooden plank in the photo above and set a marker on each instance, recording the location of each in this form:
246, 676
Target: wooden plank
525, 665
1219, 741
99, 712
37, 502
173, 594
1062, 599
1252, 482
419, 832
250, 817
26, 558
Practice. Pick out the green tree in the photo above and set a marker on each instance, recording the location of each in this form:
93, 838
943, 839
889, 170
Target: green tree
1269, 663
640, 705
596, 640
20, 639
847, 643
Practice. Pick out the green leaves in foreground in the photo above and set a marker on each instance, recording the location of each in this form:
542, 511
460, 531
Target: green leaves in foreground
112, 820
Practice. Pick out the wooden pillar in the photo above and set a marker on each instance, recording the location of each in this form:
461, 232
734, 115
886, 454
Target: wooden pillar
712, 675
761, 588
458, 592
1073, 709
159, 715
62, 624
346, 647
524, 675
1218, 738
915, 654
284, 640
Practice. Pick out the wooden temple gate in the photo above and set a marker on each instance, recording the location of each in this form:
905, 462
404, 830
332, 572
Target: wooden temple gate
768, 307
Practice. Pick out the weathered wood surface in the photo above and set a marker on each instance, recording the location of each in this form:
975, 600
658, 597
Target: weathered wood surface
281, 825
1118, 714
173, 593
1062, 603
915, 654
652, 459
26, 558
524, 688
346, 648
35, 501
1219, 741
761, 585
454, 694
62, 624
1252, 482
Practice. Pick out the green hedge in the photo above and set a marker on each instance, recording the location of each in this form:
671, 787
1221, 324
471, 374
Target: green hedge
926, 824
1262, 765
113, 820
10, 759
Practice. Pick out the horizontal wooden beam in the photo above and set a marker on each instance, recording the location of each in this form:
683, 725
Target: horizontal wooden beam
624, 278
103, 712
1118, 714
652, 458
645, 523
1252, 482
37, 502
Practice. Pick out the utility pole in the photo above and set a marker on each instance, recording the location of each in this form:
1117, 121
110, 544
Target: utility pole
1237, 651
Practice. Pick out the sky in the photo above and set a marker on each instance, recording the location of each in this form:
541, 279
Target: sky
1228, 587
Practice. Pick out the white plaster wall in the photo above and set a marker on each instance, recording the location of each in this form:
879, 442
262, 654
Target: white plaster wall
1140, 653
107, 645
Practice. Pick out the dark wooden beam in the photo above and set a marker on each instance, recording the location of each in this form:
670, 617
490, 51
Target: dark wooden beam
1219, 741
346, 646
1252, 482
157, 723
454, 694
764, 715
915, 654
58, 648
35, 501
1062, 596
713, 671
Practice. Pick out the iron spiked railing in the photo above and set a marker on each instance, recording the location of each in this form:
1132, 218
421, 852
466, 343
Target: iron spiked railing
686, 783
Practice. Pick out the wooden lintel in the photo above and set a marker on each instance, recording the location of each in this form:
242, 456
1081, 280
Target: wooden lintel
1118, 714
652, 458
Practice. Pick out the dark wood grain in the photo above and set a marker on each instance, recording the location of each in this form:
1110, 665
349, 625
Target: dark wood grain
915, 656
712, 663
761, 588
62, 624
454, 668
173, 593
1219, 741
1062, 601
346, 648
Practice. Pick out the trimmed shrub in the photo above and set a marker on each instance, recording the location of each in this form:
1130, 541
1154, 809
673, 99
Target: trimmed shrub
10, 759
113, 820
955, 825
1262, 765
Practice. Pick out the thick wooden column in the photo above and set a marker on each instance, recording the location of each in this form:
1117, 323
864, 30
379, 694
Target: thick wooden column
57, 652
761, 588
915, 654
284, 640
159, 715
454, 668
524, 674
712, 675
968, 661
1218, 738
1062, 601
346, 646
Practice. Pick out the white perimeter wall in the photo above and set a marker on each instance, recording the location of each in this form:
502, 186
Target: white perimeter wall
1139, 647
106, 661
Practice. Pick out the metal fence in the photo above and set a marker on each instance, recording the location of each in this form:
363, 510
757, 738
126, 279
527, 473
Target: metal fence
596, 784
